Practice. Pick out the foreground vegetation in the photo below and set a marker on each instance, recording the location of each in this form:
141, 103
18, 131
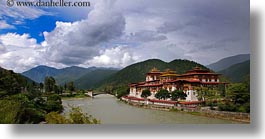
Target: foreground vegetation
23, 101
76, 116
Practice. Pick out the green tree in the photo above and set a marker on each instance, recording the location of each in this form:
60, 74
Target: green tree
178, 94
121, 91
201, 91
238, 93
162, 94
238, 97
41, 87
54, 103
70, 86
9, 111
146, 93
49, 84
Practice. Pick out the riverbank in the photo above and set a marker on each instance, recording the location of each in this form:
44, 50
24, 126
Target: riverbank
74, 96
243, 118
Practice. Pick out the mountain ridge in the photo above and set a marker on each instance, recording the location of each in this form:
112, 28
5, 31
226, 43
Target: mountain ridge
237, 72
228, 61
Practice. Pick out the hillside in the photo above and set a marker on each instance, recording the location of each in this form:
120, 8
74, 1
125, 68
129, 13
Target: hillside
92, 79
237, 72
228, 61
136, 72
12, 83
39, 73
71, 74
83, 78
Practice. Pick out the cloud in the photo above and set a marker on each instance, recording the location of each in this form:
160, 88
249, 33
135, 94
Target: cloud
74, 43
119, 56
19, 52
4, 25
16, 40
20, 12
119, 33
124, 55
145, 36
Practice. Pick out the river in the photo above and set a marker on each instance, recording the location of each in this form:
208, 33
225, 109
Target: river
109, 110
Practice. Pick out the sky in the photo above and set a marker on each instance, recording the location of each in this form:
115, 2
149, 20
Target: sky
117, 33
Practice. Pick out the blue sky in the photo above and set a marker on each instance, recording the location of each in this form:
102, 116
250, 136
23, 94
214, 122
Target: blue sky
34, 27
117, 33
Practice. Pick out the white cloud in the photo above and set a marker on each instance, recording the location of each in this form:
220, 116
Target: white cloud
16, 40
4, 25
119, 56
19, 52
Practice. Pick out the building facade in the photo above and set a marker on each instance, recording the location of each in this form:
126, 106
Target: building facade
170, 80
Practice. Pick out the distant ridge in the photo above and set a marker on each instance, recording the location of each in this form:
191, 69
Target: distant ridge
228, 61
83, 78
39, 73
238, 72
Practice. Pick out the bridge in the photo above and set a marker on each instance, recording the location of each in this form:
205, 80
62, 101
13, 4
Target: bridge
92, 94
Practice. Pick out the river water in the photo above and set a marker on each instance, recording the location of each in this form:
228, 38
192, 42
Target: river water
109, 110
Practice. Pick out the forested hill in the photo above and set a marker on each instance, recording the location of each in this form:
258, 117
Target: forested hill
136, 72
12, 83
238, 72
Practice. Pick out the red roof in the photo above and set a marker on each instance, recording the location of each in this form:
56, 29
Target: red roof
163, 101
133, 84
189, 80
195, 73
151, 85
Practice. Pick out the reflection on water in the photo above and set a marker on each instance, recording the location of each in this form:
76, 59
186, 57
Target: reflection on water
111, 111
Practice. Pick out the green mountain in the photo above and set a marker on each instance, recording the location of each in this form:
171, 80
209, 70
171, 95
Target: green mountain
39, 73
228, 61
237, 72
71, 74
136, 72
92, 79
83, 78
12, 83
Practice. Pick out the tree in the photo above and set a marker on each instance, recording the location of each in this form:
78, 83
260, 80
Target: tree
41, 87
201, 91
146, 93
9, 111
49, 84
121, 91
70, 86
54, 103
238, 93
178, 94
162, 94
